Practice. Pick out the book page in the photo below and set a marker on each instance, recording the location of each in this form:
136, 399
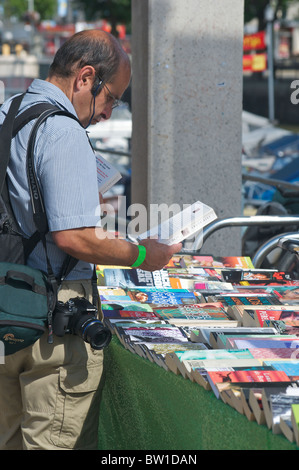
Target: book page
182, 225
107, 175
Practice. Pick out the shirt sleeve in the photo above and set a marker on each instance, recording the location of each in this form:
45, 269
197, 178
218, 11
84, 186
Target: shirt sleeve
66, 168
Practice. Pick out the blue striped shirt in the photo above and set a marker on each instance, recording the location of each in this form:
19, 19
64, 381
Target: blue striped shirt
66, 170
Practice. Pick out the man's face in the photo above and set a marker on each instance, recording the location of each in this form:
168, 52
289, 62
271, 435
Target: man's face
104, 101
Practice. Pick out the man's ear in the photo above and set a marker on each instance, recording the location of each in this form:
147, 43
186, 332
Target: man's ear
85, 77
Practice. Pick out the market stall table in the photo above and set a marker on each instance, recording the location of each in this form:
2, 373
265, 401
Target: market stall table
145, 407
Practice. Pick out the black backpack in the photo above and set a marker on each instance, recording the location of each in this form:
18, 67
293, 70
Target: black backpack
27, 297
14, 247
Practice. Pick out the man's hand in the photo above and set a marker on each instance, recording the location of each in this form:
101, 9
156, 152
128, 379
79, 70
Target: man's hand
99, 247
157, 254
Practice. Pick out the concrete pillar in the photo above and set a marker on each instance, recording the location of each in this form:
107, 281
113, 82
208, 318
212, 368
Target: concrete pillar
187, 105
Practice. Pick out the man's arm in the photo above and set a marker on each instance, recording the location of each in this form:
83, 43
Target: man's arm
96, 246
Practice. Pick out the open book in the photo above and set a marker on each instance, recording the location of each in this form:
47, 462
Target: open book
107, 175
182, 225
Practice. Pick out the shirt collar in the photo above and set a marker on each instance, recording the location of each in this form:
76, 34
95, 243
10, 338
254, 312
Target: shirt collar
51, 93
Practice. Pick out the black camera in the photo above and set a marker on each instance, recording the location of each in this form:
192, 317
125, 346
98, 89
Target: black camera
78, 316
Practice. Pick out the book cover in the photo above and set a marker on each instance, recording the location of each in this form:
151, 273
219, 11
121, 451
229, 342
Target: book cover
189, 312
163, 296
253, 276
134, 314
257, 317
268, 343
107, 175
226, 340
182, 225
276, 389
203, 334
219, 379
233, 262
281, 407
127, 278
237, 311
291, 368
273, 353
161, 334
213, 286
256, 404
295, 421
250, 299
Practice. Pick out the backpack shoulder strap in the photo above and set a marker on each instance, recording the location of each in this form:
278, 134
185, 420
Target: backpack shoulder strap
31, 113
39, 213
6, 136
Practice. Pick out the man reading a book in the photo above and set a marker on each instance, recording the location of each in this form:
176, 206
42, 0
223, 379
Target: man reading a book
49, 393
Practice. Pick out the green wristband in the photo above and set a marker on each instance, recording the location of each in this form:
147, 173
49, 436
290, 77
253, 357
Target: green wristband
141, 256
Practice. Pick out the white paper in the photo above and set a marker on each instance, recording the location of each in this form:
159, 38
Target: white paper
182, 225
107, 175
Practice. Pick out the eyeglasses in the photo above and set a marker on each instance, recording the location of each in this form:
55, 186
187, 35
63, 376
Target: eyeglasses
111, 98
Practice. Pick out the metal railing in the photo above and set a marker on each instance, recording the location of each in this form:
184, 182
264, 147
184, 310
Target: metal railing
244, 221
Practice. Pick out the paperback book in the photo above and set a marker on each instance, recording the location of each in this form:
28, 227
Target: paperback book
182, 225
218, 380
107, 175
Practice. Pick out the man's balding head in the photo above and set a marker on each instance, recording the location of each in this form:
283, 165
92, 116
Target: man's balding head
91, 47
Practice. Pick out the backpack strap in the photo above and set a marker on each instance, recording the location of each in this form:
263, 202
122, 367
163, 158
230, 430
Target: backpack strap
10, 127
39, 213
6, 136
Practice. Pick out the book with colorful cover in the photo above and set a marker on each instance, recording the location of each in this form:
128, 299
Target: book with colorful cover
163, 296
243, 262
291, 368
156, 352
219, 379
237, 311
281, 408
161, 334
273, 353
219, 262
295, 421
263, 342
290, 389
213, 286
116, 324
257, 317
127, 278
133, 314
250, 299
225, 340
254, 276
112, 294
199, 369
205, 333
186, 360
286, 327
125, 305
189, 312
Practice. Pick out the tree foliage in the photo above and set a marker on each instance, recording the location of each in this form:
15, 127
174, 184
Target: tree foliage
114, 11
256, 9
46, 8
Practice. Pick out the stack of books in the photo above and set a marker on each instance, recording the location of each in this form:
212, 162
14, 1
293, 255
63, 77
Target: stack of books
218, 322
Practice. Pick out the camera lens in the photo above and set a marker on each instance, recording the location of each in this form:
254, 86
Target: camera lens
94, 333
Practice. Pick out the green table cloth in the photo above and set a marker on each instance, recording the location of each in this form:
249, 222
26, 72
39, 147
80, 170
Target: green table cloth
145, 407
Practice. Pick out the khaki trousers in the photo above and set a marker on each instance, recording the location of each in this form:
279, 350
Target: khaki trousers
50, 393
